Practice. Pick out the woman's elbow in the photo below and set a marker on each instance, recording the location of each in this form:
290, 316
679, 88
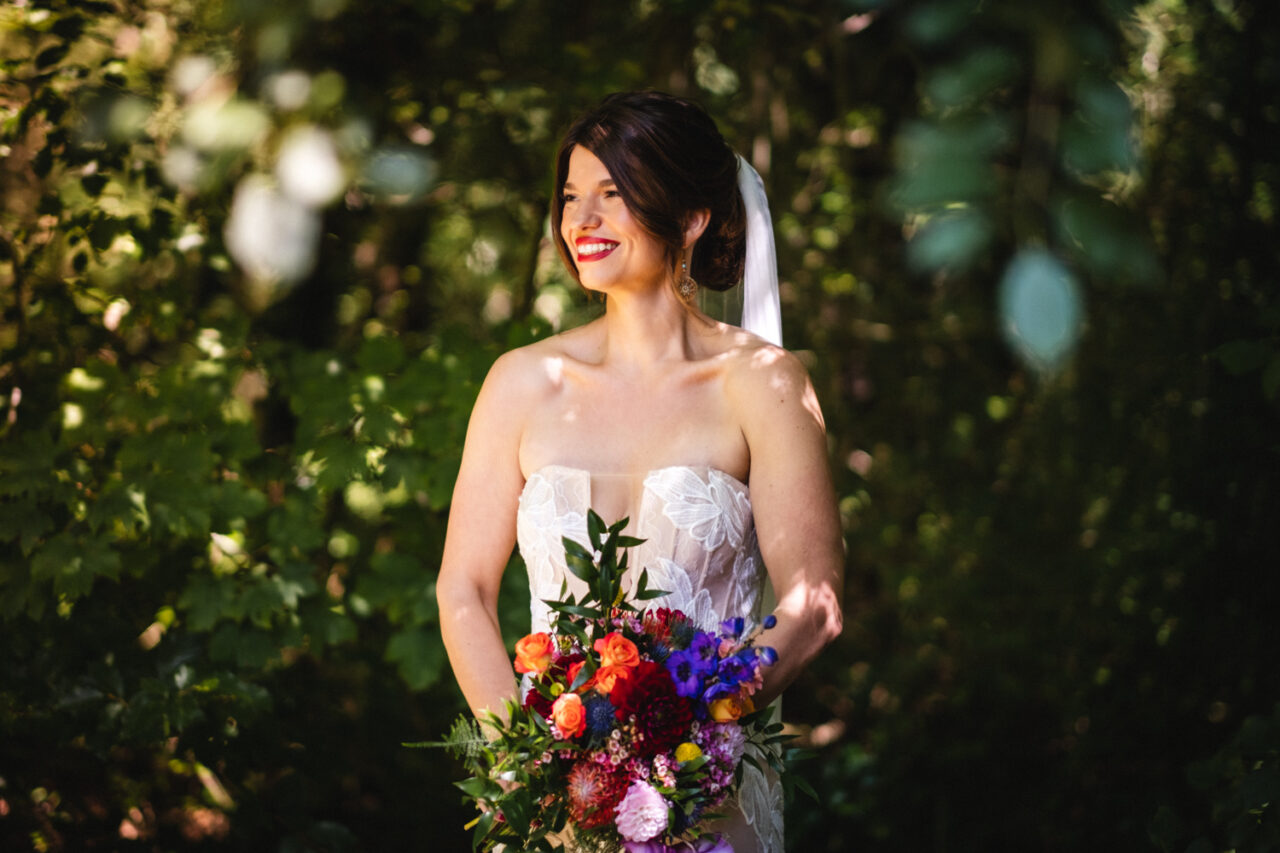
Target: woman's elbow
456, 593
829, 618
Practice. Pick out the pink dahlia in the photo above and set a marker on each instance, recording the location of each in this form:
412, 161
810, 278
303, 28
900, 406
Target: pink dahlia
642, 814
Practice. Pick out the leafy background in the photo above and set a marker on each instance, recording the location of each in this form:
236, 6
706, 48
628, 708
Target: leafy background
1027, 252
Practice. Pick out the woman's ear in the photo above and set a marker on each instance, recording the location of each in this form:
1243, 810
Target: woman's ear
694, 224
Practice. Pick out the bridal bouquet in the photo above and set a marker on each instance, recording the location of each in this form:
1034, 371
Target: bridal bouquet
633, 728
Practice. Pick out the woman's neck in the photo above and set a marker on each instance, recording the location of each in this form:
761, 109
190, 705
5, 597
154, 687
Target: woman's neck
642, 330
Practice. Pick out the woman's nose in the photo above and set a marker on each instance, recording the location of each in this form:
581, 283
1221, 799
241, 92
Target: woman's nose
584, 214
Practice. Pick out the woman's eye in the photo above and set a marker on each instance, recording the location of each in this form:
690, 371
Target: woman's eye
568, 197
612, 194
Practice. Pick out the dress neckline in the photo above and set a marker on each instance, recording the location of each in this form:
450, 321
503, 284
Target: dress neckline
541, 472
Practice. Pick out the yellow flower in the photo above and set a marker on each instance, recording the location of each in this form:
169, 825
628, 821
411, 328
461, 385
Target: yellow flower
687, 752
728, 708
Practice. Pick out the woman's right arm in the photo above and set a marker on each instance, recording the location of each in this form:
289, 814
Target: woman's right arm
481, 534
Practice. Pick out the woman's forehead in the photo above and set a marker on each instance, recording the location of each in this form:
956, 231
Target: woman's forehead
586, 169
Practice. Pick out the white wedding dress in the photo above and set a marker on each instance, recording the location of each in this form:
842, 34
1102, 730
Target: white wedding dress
700, 545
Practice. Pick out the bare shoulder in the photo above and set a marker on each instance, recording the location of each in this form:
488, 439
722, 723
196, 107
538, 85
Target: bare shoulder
530, 373
762, 378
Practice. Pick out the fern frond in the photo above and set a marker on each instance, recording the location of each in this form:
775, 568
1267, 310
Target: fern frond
465, 740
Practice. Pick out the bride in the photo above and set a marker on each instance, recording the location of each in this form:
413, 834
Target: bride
707, 436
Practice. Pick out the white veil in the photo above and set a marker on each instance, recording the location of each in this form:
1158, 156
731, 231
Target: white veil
761, 307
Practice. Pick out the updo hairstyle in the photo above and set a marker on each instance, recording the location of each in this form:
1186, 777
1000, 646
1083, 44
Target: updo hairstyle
667, 159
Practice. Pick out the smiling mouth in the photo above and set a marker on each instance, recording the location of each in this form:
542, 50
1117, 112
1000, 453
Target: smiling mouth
595, 250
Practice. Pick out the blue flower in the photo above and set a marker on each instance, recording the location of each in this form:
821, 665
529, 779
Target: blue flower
660, 652
600, 716
767, 655
732, 627
718, 689
705, 646
687, 671
770, 621
737, 668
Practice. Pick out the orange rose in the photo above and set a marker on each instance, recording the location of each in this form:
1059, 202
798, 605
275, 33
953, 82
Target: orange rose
608, 676
533, 653
617, 650
574, 669
728, 708
569, 716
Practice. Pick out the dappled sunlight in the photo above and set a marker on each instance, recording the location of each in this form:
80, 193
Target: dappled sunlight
257, 259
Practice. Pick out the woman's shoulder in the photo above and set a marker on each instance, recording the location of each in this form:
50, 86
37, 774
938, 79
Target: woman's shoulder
535, 368
759, 374
750, 360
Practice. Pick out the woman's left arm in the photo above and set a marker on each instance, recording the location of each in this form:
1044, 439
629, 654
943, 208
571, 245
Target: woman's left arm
795, 509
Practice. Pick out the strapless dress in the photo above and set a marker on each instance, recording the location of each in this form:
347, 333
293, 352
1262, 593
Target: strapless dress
700, 545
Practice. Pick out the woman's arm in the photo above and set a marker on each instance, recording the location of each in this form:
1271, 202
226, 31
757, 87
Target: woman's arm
480, 536
794, 506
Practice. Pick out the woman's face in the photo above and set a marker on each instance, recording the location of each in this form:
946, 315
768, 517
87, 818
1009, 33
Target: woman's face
610, 248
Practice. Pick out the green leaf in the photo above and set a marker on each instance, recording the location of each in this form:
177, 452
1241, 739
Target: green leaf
1243, 356
380, 355
953, 239
51, 55
582, 567
575, 609
480, 788
573, 549
24, 522
419, 654
595, 528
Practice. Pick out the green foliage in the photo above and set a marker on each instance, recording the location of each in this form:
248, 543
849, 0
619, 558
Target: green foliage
224, 478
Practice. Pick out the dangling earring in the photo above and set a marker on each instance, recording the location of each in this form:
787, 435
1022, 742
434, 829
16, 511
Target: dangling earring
686, 286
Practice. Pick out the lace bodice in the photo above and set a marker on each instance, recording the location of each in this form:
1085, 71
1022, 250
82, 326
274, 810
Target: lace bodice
700, 546
700, 541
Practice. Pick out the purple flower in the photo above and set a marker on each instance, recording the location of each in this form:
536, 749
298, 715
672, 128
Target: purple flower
687, 671
732, 627
715, 691
737, 668
768, 656
705, 646
770, 621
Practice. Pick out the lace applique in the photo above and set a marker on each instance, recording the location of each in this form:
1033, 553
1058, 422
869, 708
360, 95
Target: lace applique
667, 575
712, 511
549, 511
760, 799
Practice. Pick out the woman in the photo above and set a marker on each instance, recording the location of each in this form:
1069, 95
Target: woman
708, 437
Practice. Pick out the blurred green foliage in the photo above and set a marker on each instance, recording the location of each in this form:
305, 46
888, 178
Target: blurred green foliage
233, 400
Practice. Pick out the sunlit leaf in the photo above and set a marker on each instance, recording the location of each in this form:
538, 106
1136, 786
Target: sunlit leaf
952, 239
1040, 309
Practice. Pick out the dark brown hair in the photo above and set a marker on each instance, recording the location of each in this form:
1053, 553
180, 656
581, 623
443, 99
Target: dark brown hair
667, 159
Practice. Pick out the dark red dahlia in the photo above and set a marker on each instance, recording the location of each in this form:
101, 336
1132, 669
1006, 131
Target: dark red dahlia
537, 702
662, 715
594, 791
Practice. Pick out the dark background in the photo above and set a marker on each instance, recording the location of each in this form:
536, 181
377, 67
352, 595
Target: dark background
225, 475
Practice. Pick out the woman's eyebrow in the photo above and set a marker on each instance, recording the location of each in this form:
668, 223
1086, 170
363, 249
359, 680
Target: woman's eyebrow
607, 182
